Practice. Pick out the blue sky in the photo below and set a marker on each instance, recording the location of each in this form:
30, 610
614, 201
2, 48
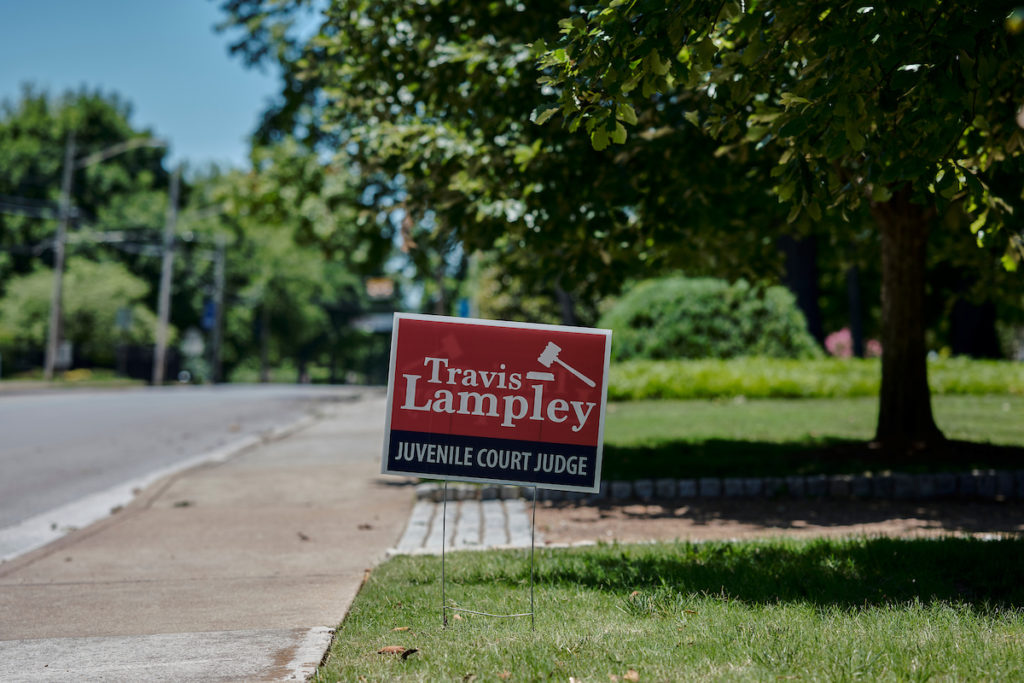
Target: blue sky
162, 56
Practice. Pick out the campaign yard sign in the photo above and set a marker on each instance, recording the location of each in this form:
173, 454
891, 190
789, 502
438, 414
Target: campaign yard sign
498, 402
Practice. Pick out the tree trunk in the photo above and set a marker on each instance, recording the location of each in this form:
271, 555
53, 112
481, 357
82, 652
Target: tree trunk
264, 342
566, 305
853, 299
905, 419
802, 280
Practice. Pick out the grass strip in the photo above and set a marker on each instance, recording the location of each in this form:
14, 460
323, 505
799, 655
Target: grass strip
755, 438
781, 378
878, 609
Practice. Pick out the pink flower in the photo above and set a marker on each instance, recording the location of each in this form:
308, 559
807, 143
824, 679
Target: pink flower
840, 343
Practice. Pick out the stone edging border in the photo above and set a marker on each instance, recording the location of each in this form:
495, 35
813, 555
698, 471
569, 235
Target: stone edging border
986, 485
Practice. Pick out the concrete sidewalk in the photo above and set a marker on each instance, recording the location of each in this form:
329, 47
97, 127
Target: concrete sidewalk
230, 571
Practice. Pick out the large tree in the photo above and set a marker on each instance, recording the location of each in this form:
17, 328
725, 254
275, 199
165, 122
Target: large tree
128, 190
295, 264
126, 194
903, 109
437, 99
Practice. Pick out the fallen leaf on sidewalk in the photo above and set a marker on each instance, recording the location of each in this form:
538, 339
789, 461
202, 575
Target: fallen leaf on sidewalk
365, 527
303, 537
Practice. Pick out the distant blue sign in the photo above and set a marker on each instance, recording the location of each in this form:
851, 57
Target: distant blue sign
209, 318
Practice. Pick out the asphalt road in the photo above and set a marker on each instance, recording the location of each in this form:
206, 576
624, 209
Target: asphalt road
57, 447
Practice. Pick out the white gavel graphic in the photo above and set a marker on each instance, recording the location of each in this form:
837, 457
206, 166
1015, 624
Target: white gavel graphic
550, 355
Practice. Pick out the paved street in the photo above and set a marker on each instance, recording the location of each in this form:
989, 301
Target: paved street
60, 447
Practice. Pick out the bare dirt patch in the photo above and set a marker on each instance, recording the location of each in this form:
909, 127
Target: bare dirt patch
744, 519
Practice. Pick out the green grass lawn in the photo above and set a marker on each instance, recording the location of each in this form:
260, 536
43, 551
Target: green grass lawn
871, 609
775, 437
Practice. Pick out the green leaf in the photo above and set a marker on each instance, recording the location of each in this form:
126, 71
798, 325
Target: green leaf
979, 222
814, 211
706, 50
656, 65
1009, 261
625, 112
880, 193
974, 184
599, 138
619, 136
788, 99
785, 191
794, 213
853, 134
692, 117
541, 119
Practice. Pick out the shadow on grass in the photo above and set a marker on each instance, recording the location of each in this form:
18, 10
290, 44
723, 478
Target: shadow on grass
844, 573
765, 515
733, 458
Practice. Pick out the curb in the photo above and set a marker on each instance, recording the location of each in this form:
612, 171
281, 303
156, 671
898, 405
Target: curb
42, 529
975, 485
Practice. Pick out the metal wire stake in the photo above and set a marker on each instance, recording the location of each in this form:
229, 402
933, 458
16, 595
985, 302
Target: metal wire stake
444, 537
444, 533
533, 530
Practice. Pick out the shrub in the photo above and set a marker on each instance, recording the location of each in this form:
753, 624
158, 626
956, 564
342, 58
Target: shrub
781, 378
678, 317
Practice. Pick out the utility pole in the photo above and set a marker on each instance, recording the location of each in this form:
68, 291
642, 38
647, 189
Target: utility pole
218, 319
60, 240
166, 271
57, 296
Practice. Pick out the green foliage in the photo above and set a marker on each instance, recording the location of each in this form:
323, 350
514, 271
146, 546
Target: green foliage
438, 97
873, 609
499, 292
852, 102
679, 317
93, 295
779, 378
126, 191
296, 260
742, 437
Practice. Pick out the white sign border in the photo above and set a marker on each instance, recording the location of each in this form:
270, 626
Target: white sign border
607, 334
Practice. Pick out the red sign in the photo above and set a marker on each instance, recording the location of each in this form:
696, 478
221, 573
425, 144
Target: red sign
493, 401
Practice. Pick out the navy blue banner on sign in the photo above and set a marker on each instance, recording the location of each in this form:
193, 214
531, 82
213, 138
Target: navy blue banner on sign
488, 459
